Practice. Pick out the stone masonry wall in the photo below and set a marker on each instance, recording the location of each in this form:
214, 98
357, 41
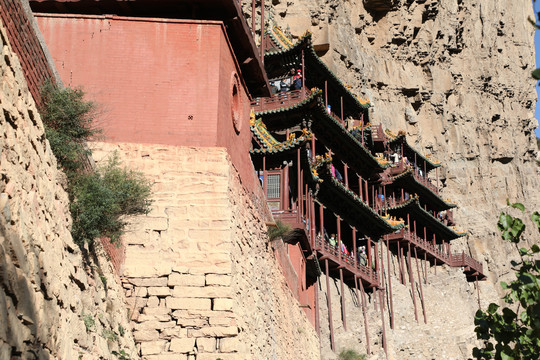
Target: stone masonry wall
201, 282
54, 303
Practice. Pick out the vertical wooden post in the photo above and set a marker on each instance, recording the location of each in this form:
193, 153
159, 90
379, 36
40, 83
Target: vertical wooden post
355, 255
381, 269
401, 275
329, 305
317, 320
285, 203
364, 305
366, 191
377, 271
321, 217
437, 172
253, 18
425, 267
299, 185
420, 283
265, 178
383, 325
343, 309
478, 292
360, 192
303, 75
390, 283
262, 31
313, 229
346, 176
338, 223
325, 95
369, 254
411, 280
342, 118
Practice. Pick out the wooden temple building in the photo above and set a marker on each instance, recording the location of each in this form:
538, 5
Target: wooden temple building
346, 186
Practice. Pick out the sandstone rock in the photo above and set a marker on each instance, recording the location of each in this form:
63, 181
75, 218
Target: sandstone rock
182, 345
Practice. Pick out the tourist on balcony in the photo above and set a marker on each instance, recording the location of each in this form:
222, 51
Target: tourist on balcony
286, 83
361, 255
344, 249
297, 80
333, 240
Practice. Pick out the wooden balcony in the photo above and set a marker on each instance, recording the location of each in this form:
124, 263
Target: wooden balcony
425, 181
472, 268
346, 262
279, 100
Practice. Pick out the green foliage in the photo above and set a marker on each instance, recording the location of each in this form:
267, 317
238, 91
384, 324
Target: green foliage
513, 332
279, 230
121, 330
68, 121
349, 354
99, 199
121, 355
109, 335
89, 322
102, 198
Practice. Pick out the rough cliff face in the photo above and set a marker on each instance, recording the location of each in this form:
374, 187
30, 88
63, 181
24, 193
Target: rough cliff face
53, 303
455, 75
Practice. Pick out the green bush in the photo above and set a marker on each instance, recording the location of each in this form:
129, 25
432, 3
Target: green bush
103, 197
99, 198
68, 121
277, 231
349, 354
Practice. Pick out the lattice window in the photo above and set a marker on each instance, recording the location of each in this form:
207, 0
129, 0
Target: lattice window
274, 188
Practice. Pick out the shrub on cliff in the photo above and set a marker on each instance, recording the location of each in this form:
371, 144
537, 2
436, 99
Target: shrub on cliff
101, 197
513, 332
68, 121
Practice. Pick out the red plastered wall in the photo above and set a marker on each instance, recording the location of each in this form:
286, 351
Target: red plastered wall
157, 81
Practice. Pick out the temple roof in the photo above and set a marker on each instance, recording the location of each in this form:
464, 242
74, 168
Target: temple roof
414, 208
278, 61
345, 203
408, 149
327, 129
412, 185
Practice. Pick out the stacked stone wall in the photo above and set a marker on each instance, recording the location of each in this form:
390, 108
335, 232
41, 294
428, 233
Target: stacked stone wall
55, 303
18, 23
200, 278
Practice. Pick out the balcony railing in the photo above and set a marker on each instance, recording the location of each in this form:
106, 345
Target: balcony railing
364, 271
453, 260
279, 100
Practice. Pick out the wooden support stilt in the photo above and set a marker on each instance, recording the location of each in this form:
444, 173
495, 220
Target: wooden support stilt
321, 219
329, 300
381, 269
420, 284
377, 270
383, 325
425, 267
411, 280
317, 320
404, 278
478, 292
262, 31
343, 309
390, 284
364, 311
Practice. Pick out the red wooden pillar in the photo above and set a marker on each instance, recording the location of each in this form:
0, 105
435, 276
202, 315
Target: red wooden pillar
401, 275
346, 176
381, 269
437, 173
342, 118
354, 247
265, 178
299, 185
262, 31
253, 17
325, 95
366, 192
313, 150
383, 325
317, 320
369, 254
338, 223
303, 76
478, 292
329, 306
360, 192
425, 267
321, 219
285, 202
